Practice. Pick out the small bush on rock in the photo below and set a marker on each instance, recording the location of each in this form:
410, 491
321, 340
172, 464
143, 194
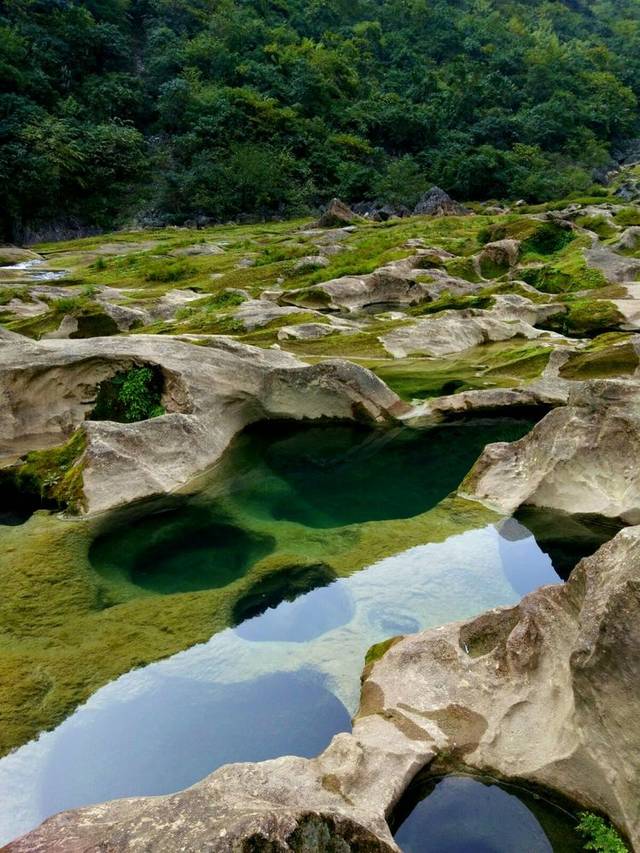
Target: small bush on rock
129, 396
600, 835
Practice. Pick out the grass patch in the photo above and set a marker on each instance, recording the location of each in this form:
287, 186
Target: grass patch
585, 318
627, 216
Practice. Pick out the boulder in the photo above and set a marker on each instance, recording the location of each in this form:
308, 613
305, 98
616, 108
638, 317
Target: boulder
436, 202
500, 255
211, 392
336, 214
629, 239
311, 262
10, 255
581, 458
544, 693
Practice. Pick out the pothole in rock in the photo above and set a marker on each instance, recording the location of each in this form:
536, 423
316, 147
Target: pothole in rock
463, 814
183, 550
344, 474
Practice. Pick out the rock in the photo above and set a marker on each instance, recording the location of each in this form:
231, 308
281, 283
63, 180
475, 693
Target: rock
197, 249
396, 283
615, 268
254, 313
436, 202
454, 331
211, 392
629, 239
502, 254
380, 212
581, 458
305, 332
471, 695
336, 214
10, 255
490, 400
311, 262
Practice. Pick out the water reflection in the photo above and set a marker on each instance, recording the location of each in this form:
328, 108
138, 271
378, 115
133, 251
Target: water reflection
459, 814
283, 681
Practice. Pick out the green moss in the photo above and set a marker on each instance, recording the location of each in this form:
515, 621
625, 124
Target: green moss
600, 225
378, 650
585, 317
463, 268
603, 362
500, 365
52, 478
567, 277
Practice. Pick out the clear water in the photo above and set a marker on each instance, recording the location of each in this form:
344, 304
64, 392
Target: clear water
283, 678
459, 814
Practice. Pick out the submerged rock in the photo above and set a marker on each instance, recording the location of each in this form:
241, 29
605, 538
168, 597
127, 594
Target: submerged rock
475, 694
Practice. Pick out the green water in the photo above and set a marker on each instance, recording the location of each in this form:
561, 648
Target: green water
280, 485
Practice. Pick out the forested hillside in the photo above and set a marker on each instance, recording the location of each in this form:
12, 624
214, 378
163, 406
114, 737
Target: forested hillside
170, 109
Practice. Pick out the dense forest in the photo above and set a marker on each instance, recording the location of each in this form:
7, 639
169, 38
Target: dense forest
165, 110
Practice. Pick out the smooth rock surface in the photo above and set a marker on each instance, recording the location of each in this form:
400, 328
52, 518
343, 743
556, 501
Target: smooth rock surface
581, 458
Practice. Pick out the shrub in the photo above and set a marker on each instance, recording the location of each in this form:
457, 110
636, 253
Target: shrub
129, 396
600, 835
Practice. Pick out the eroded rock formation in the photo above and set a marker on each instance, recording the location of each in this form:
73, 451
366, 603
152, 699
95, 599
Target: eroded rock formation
211, 392
581, 458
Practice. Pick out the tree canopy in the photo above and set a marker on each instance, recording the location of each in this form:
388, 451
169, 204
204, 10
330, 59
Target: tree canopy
171, 109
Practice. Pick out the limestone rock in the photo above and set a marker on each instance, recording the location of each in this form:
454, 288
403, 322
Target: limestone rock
454, 331
10, 255
581, 458
211, 392
305, 332
500, 253
436, 202
336, 214
629, 239
311, 262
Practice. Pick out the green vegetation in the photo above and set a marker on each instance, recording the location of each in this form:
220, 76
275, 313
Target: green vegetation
600, 225
602, 360
132, 395
628, 216
585, 317
599, 834
49, 478
501, 365
178, 110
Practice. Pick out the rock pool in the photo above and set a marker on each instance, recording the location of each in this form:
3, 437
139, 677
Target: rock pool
292, 523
